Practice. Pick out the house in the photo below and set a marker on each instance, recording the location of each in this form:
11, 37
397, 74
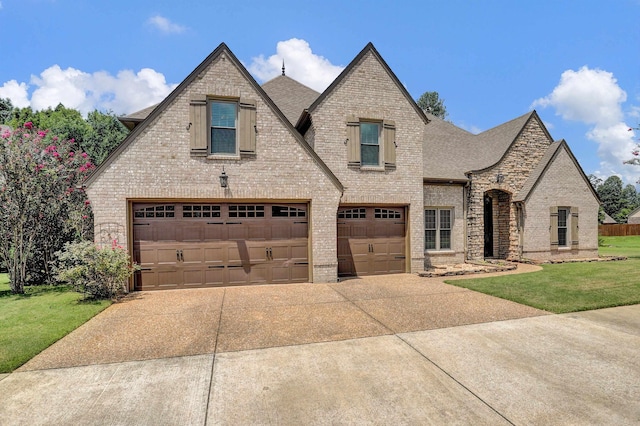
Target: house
227, 182
608, 220
634, 216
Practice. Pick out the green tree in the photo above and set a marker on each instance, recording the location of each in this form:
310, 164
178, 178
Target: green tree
6, 110
105, 134
42, 204
610, 193
430, 102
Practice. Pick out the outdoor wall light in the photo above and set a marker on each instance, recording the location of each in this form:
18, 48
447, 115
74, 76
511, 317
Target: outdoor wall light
499, 178
224, 179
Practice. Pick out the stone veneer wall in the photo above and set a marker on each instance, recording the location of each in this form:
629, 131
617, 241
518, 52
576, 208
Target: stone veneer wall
516, 166
157, 165
369, 92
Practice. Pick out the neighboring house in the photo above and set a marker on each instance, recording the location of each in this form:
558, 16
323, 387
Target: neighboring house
634, 216
227, 182
608, 220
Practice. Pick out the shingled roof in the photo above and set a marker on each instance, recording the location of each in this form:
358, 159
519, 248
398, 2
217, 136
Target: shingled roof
290, 96
450, 152
135, 118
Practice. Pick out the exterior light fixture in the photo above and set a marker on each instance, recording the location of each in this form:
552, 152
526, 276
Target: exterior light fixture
499, 178
224, 179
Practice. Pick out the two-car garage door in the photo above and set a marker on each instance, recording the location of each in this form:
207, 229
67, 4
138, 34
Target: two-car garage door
183, 245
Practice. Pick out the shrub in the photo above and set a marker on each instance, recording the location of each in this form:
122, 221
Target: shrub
98, 273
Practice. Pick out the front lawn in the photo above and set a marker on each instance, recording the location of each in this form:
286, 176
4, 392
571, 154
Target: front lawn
571, 287
35, 320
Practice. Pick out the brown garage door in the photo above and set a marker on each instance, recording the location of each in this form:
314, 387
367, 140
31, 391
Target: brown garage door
181, 245
371, 240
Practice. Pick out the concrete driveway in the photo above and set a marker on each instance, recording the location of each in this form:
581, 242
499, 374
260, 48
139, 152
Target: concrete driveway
395, 349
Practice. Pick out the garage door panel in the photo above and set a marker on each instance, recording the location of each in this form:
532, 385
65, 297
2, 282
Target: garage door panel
193, 277
147, 256
214, 231
192, 232
371, 240
237, 232
240, 244
167, 256
168, 278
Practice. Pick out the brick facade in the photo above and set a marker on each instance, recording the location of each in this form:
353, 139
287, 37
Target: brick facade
368, 91
562, 185
158, 165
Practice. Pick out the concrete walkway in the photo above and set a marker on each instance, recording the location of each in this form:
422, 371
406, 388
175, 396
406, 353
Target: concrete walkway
382, 350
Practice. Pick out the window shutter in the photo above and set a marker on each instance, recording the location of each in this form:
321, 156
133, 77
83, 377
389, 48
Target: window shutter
199, 133
247, 126
574, 227
353, 141
553, 227
389, 138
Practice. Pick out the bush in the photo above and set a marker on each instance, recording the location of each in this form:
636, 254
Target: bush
98, 273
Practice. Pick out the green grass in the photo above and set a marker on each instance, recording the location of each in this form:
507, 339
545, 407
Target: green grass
33, 321
571, 287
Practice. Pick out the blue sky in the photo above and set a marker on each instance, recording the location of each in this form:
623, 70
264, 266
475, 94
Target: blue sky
576, 62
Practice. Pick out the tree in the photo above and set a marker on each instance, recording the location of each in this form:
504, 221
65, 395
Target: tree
431, 103
610, 193
6, 109
105, 134
42, 204
98, 135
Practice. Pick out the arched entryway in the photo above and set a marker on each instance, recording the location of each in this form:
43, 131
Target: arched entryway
497, 211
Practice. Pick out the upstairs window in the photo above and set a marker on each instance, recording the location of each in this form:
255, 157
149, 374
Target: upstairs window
370, 144
223, 127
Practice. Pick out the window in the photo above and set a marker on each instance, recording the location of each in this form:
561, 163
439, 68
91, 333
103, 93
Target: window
223, 127
370, 144
563, 227
563, 218
155, 212
246, 211
352, 214
437, 229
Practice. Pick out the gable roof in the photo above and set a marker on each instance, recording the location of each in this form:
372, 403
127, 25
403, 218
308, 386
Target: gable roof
544, 164
460, 152
633, 212
304, 121
291, 96
132, 120
608, 220
222, 48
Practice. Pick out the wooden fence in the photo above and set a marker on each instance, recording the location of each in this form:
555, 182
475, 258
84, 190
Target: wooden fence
619, 229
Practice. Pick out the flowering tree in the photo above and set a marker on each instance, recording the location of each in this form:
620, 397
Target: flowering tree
42, 203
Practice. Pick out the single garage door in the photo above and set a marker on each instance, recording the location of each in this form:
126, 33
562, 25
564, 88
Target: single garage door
371, 240
183, 245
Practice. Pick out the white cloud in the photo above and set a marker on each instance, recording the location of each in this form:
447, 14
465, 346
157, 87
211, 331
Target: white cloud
164, 25
593, 97
301, 64
124, 93
15, 91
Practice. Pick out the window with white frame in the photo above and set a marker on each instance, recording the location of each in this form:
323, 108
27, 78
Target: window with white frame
437, 228
563, 226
